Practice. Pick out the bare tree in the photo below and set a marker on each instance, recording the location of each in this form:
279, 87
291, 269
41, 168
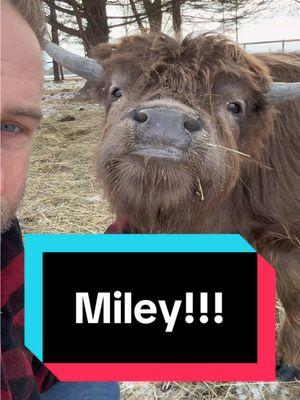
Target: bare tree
176, 17
137, 16
87, 20
149, 14
57, 70
229, 13
154, 13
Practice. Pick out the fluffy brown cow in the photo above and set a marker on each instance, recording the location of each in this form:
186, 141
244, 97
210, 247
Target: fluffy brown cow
198, 138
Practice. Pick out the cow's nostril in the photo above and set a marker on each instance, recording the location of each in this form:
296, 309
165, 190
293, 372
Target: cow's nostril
140, 116
192, 124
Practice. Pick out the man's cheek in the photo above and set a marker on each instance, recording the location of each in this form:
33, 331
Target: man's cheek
20, 142
14, 167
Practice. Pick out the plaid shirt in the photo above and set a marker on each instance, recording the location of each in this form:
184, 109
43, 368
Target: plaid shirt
23, 376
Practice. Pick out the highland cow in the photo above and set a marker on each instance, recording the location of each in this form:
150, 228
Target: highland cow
199, 138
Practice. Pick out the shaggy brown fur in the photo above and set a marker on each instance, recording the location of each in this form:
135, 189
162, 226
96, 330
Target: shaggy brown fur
241, 174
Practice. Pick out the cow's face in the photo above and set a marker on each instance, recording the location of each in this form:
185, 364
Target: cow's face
181, 121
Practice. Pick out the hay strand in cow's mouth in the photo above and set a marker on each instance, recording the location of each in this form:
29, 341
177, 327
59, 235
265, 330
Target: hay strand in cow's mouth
249, 158
200, 192
229, 149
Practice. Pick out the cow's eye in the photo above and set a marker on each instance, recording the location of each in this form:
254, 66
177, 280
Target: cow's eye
116, 93
235, 107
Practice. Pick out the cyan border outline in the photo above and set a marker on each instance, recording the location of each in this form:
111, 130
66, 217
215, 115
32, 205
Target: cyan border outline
37, 244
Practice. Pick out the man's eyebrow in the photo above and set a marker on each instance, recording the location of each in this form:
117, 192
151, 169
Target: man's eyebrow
26, 112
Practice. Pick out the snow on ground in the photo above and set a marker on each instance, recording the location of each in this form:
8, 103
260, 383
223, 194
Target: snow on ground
55, 94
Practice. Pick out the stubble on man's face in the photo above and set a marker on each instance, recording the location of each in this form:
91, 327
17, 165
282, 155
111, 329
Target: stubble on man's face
21, 94
8, 212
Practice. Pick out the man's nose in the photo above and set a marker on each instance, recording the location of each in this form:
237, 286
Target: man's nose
167, 126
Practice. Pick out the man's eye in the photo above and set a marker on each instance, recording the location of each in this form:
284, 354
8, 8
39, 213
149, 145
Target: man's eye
116, 94
10, 128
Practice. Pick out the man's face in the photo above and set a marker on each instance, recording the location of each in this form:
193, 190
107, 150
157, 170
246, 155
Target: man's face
21, 94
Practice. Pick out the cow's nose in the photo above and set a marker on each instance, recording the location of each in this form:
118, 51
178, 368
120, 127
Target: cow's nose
139, 116
165, 126
192, 124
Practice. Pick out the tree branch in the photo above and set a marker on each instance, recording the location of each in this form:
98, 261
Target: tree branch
58, 8
63, 28
137, 16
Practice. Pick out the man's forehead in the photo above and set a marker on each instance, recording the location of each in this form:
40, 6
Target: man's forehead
21, 98
16, 69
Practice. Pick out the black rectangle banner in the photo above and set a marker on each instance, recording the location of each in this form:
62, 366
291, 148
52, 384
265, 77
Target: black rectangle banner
150, 307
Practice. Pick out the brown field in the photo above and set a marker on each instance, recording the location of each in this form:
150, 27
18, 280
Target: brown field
61, 193
63, 197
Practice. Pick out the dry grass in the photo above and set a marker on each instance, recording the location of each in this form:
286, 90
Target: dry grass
209, 391
62, 197
61, 194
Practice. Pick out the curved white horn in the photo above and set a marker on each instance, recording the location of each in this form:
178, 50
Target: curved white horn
85, 67
283, 91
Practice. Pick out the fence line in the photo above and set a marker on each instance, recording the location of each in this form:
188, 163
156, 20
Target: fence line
282, 42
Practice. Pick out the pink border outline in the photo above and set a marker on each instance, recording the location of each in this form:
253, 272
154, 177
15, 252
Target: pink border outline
263, 370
